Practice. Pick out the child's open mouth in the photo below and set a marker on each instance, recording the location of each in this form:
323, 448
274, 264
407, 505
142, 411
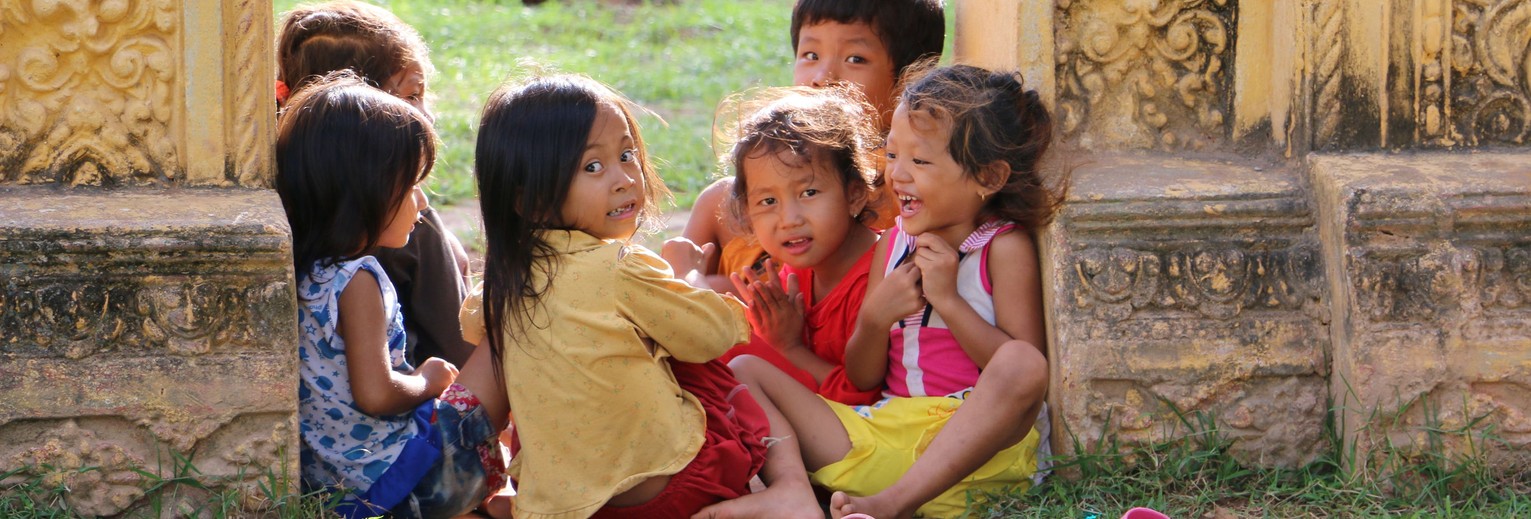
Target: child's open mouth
797, 245
908, 205
622, 212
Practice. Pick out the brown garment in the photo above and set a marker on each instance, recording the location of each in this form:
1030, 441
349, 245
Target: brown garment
431, 288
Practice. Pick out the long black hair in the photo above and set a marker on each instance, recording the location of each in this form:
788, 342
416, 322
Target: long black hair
530, 142
346, 156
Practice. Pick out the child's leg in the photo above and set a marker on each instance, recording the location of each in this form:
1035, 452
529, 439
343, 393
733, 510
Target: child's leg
999, 413
803, 431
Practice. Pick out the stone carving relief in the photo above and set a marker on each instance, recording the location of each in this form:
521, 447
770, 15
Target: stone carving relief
1155, 67
1328, 53
107, 465
185, 316
1477, 89
101, 474
1445, 283
87, 92
1217, 282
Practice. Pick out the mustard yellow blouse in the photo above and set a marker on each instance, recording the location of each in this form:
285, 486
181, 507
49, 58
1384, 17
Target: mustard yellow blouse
595, 404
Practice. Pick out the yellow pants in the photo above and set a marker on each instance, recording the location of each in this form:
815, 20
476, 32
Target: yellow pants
888, 436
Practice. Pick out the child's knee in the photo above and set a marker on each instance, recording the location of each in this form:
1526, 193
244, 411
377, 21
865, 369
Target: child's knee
1022, 366
747, 368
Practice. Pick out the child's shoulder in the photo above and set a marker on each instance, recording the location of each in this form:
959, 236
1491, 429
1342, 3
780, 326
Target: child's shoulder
331, 276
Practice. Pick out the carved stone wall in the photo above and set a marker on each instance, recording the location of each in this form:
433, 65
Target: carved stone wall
129, 339
1432, 275
1227, 268
1145, 74
135, 93
147, 323
1197, 287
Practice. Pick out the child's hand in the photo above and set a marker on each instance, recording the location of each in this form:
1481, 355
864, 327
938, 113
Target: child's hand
896, 297
774, 313
938, 268
687, 260
438, 375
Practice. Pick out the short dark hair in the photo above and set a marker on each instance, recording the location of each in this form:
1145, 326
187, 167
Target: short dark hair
316, 39
910, 29
346, 156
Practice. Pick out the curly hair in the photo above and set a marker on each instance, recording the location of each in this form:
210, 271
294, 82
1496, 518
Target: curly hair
802, 126
994, 118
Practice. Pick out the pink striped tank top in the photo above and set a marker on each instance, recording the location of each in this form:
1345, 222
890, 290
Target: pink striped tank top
924, 358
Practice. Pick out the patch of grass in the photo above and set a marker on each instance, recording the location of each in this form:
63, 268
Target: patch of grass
677, 59
176, 487
1194, 475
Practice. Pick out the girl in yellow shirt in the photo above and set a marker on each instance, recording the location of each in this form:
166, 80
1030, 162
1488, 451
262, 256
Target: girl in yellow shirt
621, 408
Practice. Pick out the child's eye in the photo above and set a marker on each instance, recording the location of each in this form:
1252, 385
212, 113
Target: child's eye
890, 156
629, 155
810, 192
920, 162
856, 60
766, 202
594, 166
811, 56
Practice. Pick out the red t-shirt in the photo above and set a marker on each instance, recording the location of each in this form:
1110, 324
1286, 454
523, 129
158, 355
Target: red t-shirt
828, 326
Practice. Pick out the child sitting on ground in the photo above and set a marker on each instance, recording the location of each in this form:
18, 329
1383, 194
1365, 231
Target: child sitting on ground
803, 185
621, 408
952, 323
430, 272
865, 44
350, 160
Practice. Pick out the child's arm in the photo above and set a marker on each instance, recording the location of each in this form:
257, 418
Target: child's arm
377, 388
685, 317
887, 301
703, 227
1017, 294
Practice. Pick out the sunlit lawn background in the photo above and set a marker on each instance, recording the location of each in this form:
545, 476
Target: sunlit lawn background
677, 59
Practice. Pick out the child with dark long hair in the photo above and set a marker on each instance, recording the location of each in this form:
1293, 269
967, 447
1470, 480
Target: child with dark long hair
391, 437
621, 408
430, 272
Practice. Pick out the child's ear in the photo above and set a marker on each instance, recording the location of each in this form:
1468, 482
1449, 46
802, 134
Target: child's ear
858, 196
992, 177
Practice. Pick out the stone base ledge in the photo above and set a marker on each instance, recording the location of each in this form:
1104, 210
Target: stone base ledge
1429, 257
140, 326
1191, 285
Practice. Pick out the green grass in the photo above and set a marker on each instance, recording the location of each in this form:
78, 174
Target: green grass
677, 59
1196, 476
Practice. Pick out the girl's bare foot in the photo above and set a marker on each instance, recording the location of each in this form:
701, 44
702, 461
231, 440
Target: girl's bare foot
842, 505
784, 500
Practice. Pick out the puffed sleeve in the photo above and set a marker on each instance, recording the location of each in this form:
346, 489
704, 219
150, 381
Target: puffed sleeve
692, 324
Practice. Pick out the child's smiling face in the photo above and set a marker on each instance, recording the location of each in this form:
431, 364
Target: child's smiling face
829, 53
931, 189
607, 193
798, 211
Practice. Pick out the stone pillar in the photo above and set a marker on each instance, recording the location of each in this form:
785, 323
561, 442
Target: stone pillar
1244, 238
147, 318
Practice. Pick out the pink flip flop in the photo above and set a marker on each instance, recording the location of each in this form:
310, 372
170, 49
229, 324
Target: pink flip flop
1144, 513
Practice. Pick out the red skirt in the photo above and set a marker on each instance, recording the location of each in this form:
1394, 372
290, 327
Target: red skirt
732, 452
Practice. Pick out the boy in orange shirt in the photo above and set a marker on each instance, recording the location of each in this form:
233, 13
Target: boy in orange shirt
863, 43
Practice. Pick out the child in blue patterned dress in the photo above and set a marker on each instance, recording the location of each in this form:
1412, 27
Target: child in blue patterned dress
390, 437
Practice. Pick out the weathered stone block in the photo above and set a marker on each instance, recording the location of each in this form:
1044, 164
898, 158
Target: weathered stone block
1191, 283
136, 327
1429, 258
